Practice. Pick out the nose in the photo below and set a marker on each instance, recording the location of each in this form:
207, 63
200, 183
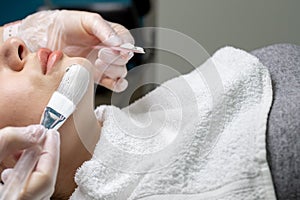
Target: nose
13, 53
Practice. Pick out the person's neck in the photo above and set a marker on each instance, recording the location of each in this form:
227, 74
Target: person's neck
80, 134
86, 124
80, 139
88, 130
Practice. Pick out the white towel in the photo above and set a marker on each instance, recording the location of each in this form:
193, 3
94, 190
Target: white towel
187, 139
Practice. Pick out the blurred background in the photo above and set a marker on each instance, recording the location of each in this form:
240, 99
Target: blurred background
212, 23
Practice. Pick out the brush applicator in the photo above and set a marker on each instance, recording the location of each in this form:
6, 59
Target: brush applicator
64, 101
62, 104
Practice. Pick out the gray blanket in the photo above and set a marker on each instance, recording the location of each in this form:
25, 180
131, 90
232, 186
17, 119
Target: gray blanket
283, 130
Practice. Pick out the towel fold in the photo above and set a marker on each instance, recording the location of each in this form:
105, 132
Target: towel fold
194, 137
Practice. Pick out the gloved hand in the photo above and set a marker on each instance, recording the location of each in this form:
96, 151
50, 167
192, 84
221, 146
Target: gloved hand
81, 34
42, 180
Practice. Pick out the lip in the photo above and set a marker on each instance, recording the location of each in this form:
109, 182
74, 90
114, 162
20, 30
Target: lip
43, 55
53, 58
48, 59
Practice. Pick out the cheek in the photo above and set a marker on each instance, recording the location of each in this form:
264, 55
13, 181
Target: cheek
22, 104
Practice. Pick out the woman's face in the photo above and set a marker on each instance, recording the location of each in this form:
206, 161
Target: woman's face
27, 81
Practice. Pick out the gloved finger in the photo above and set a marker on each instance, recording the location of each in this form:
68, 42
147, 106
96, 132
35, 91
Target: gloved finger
43, 178
13, 139
110, 70
120, 85
114, 85
5, 174
114, 57
94, 24
122, 32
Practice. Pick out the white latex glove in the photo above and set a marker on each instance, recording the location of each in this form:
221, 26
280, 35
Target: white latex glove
42, 180
80, 34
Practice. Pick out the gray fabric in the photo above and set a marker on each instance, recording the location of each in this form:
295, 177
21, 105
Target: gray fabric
283, 130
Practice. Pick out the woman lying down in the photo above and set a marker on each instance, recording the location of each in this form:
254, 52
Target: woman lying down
187, 139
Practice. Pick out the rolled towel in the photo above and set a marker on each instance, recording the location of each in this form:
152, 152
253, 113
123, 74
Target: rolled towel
187, 139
